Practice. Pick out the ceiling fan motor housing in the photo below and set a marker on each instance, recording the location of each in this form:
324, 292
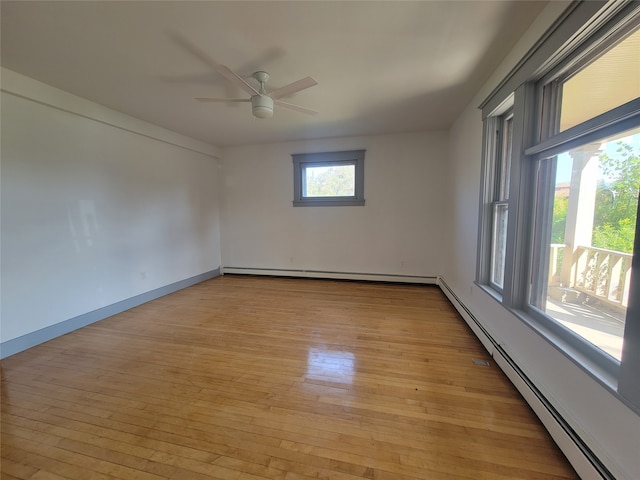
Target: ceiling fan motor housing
262, 106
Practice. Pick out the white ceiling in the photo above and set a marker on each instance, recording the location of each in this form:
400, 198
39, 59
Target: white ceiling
382, 67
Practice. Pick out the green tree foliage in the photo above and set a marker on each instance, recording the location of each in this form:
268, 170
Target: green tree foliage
337, 181
617, 237
560, 205
617, 200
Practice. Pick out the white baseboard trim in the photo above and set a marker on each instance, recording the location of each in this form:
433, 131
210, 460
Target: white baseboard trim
374, 277
586, 464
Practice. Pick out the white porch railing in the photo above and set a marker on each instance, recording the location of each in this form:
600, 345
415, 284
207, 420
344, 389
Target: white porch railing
603, 274
555, 263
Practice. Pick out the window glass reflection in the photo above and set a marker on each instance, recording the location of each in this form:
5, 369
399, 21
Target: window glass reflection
330, 365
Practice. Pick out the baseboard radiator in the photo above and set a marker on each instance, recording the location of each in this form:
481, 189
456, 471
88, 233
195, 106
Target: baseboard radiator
372, 277
582, 458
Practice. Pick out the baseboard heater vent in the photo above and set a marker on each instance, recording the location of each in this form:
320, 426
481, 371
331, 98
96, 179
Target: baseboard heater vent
482, 363
375, 277
595, 462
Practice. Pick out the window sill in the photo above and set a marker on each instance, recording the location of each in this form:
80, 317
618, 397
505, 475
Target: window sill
329, 202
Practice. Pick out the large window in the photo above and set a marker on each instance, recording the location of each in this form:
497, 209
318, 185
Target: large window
586, 186
328, 179
562, 258
586, 225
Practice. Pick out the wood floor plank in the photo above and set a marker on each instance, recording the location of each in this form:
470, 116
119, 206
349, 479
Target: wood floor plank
11, 469
271, 378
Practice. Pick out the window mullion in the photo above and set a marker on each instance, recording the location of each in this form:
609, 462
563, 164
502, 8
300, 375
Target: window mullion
541, 248
517, 265
550, 114
619, 119
628, 384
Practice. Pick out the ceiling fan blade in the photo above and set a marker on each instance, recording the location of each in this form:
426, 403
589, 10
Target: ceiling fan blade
290, 106
207, 99
233, 77
195, 51
223, 70
293, 88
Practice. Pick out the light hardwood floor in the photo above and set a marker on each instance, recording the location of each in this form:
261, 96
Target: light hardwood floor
253, 378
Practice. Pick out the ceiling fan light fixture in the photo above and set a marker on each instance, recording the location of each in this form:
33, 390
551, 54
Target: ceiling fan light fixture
262, 101
262, 106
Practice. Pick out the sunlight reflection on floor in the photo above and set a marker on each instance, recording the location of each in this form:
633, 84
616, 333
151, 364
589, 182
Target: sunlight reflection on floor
330, 365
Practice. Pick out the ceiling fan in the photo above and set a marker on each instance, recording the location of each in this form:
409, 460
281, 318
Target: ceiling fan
262, 102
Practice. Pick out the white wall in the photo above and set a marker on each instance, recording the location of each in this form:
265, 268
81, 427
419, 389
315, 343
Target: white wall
398, 231
608, 426
97, 207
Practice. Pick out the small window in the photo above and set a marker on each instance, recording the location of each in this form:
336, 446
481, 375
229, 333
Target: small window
328, 179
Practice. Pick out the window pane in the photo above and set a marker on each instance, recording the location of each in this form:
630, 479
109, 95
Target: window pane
332, 181
608, 82
505, 158
584, 266
499, 243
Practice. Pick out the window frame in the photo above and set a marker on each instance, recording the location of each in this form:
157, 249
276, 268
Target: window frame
543, 156
302, 161
492, 145
536, 116
503, 154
